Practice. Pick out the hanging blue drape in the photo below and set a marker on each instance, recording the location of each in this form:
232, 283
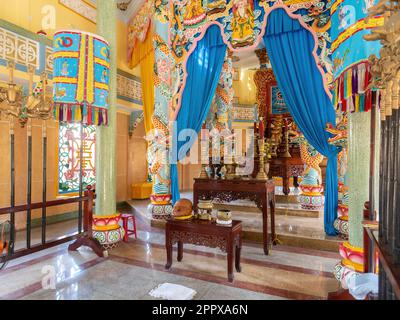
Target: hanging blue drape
290, 48
203, 68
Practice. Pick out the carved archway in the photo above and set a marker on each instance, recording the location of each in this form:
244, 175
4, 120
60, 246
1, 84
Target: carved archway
261, 78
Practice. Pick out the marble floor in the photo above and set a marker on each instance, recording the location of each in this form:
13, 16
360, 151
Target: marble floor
134, 268
286, 224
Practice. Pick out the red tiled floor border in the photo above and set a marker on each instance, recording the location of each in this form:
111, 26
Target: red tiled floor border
28, 263
219, 280
32, 288
267, 264
36, 286
293, 249
144, 226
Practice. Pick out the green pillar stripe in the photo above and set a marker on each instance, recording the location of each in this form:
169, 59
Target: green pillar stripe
106, 135
358, 166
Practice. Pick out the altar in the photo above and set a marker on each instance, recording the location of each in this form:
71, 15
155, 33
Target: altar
262, 192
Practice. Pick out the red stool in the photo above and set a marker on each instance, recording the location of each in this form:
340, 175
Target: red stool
125, 224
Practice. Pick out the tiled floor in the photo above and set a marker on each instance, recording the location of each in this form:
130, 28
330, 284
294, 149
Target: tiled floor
309, 227
134, 268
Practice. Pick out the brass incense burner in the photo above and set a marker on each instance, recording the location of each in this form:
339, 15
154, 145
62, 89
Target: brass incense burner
204, 210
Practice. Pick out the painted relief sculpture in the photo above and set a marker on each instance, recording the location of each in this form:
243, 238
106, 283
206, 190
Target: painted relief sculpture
157, 156
243, 23
221, 108
195, 14
139, 26
340, 140
311, 197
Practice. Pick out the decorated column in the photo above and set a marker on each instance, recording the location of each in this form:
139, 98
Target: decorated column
353, 95
219, 116
339, 139
106, 228
311, 197
158, 157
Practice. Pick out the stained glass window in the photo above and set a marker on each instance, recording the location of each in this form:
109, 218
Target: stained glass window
69, 157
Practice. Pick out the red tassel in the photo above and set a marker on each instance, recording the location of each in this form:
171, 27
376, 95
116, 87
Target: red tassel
368, 100
344, 105
367, 76
89, 115
69, 114
341, 88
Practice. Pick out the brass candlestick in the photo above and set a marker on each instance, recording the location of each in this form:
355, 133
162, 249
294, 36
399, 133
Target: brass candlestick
286, 142
261, 175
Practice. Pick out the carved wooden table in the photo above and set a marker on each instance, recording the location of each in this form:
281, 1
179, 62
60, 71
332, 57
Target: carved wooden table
262, 192
205, 233
286, 168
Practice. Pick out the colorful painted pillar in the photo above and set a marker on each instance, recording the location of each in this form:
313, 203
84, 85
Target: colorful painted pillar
158, 149
311, 197
339, 140
106, 228
351, 251
219, 116
353, 95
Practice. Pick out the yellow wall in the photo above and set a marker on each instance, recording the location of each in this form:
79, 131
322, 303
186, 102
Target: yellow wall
131, 164
131, 152
27, 14
245, 88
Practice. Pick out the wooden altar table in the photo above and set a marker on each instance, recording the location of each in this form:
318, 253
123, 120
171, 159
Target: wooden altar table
262, 192
205, 233
286, 168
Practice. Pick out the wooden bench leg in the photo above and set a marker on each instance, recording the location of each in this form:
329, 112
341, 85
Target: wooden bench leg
237, 258
180, 251
230, 260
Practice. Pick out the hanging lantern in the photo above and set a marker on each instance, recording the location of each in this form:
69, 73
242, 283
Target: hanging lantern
81, 77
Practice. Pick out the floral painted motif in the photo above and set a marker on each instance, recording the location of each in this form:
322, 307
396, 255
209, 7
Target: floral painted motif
139, 25
161, 10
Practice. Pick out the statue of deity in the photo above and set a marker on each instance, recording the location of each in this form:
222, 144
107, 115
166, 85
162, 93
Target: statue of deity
194, 14
243, 23
311, 197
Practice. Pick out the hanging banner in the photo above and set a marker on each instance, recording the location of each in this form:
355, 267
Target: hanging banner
350, 53
81, 77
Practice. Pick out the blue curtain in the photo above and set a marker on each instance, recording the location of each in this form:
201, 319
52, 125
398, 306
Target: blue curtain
289, 48
203, 72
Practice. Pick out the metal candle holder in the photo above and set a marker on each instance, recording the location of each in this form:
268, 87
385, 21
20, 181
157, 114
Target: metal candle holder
261, 175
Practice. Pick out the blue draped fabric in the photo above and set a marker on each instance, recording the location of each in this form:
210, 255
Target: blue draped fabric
204, 68
290, 48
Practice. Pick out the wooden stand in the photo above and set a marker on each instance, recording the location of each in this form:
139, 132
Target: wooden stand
86, 238
262, 192
205, 233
